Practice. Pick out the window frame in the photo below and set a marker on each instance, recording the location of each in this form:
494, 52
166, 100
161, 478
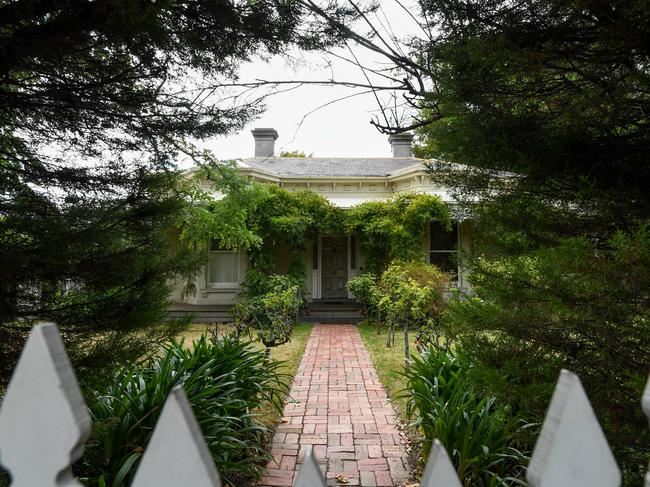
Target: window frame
224, 284
450, 252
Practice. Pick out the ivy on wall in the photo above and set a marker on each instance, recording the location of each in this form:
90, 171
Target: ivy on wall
261, 218
394, 229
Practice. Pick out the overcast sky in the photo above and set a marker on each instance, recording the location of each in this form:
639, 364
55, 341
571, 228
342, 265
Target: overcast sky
341, 129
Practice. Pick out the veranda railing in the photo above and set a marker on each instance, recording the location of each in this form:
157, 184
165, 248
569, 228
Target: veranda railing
44, 425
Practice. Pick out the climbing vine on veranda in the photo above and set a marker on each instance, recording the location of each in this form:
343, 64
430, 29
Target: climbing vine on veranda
393, 229
260, 218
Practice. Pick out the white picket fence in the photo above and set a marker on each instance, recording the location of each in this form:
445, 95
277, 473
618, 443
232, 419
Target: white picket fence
44, 424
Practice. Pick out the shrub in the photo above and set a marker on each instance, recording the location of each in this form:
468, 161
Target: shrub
272, 313
411, 296
365, 289
474, 430
225, 382
415, 291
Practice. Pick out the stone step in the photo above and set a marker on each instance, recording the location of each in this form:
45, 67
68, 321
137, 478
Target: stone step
352, 319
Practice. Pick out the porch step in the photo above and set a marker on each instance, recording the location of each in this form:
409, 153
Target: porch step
343, 319
341, 311
201, 313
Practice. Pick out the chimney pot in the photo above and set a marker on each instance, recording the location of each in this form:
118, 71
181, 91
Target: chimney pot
264, 141
401, 144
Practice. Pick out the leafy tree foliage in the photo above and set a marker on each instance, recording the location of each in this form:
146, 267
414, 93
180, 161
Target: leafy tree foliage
96, 99
258, 218
557, 91
540, 109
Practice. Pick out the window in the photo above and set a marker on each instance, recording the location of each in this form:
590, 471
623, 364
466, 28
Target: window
353, 251
443, 247
223, 266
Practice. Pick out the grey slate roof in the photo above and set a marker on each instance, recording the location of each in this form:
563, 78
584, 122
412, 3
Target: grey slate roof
332, 166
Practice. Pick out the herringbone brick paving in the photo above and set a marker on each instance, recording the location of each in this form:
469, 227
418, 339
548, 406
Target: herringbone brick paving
339, 406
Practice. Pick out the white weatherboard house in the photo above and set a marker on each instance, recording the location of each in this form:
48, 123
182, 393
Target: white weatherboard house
334, 259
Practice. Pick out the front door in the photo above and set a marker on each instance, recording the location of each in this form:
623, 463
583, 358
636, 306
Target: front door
334, 267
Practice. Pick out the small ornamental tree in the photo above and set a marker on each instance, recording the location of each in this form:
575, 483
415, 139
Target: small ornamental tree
365, 289
271, 310
412, 297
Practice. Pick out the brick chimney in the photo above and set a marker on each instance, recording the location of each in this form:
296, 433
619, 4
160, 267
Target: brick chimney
264, 141
401, 144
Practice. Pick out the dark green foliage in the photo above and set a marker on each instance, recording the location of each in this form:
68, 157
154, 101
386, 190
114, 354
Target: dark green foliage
99, 269
556, 91
543, 106
394, 229
226, 382
96, 101
575, 304
271, 309
475, 430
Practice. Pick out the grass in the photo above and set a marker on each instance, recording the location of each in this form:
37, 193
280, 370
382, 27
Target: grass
290, 354
389, 362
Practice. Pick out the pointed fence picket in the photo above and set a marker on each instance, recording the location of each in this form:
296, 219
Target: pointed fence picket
44, 425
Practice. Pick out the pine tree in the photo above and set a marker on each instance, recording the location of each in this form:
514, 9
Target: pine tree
97, 100
540, 109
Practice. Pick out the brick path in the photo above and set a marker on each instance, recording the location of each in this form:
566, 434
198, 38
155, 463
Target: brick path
343, 411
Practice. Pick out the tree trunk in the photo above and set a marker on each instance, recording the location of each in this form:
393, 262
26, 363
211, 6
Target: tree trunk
267, 351
378, 321
406, 345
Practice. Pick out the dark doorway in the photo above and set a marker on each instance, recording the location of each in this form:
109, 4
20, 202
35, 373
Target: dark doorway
334, 267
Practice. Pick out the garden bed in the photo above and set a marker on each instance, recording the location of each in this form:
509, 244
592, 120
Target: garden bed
289, 353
